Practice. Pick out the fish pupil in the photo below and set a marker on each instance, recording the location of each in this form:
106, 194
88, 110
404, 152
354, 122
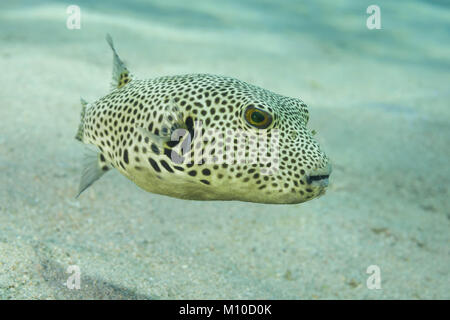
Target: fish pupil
257, 117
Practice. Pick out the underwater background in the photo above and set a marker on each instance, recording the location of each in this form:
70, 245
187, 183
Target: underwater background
378, 98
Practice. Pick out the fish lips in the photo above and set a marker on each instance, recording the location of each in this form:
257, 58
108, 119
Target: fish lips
320, 178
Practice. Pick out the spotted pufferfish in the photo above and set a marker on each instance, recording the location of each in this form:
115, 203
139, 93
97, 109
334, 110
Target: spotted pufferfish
132, 128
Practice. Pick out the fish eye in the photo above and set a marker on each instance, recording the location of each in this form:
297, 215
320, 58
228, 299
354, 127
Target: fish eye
257, 118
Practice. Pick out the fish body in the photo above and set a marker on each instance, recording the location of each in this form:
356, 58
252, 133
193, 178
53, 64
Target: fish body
203, 137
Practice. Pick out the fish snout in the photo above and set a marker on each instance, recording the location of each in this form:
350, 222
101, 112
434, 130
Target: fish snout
319, 177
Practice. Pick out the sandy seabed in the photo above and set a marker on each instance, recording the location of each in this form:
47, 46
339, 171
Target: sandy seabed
379, 100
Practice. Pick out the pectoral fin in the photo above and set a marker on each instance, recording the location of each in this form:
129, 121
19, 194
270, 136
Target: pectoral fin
155, 141
172, 120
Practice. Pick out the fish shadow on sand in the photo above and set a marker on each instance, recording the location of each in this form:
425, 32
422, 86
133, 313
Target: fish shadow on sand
91, 288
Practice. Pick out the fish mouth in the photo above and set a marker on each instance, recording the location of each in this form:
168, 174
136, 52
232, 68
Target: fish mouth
320, 179
310, 179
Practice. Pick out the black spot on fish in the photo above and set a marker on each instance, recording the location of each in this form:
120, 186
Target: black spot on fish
190, 126
166, 166
154, 148
154, 165
125, 156
192, 173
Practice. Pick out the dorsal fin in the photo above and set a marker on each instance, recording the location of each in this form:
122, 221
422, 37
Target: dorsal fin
121, 76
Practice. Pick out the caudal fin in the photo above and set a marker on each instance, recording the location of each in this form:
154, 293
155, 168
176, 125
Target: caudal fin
79, 135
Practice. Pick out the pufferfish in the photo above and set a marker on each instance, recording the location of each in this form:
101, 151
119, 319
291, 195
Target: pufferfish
148, 130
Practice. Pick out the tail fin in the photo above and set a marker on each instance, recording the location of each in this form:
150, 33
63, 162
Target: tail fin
121, 76
79, 135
